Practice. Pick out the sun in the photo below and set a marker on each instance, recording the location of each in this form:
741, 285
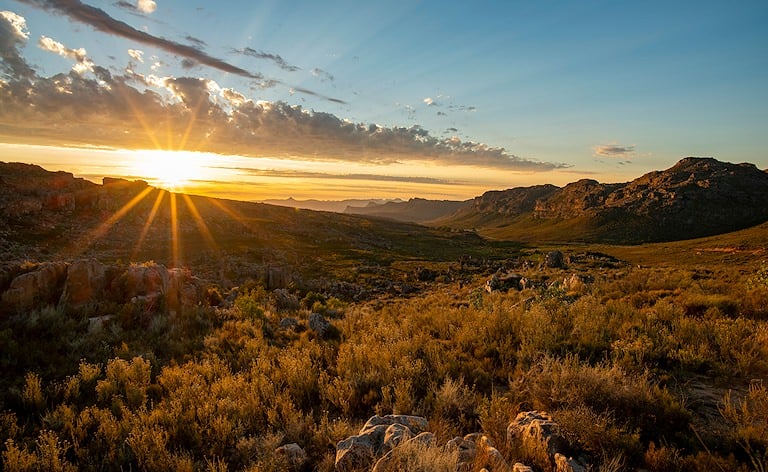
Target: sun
171, 170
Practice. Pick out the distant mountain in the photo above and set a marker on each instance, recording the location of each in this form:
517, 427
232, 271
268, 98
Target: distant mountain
696, 197
415, 210
337, 206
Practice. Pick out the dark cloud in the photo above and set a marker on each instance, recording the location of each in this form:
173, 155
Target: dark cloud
197, 41
323, 75
100, 20
613, 151
126, 6
279, 61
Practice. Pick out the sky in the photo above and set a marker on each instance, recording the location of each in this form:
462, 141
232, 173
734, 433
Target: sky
340, 99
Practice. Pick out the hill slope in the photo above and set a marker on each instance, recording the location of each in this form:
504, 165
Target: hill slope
55, 216
415, 210
696, 197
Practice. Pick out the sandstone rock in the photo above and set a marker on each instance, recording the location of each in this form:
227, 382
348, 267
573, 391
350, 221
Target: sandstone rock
294, 455
536, 431
148, 280
520, 467
394, 435
360, 451
476, 450
36, 288
417, 424
85, 283
184, 291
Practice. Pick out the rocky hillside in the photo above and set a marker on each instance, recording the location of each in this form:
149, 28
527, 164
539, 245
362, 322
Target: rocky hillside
415, 210
696, 197
53, 216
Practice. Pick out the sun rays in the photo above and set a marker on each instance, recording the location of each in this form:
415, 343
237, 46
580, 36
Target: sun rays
166, 219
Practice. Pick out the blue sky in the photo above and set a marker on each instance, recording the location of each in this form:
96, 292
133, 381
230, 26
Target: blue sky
465, 96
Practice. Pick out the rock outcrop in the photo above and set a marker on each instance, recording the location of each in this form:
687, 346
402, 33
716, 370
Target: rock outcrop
82, 283
39, 287
378, 436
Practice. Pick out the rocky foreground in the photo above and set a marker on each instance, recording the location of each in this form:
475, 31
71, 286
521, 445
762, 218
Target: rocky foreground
401, 442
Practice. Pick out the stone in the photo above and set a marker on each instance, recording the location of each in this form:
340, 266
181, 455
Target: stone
293, 454
289, 323
318, 324
359, 452
520, 467
379, 435
554, 260
536, 430
417, 424
184, 291
85, 283
36, 288
394, 435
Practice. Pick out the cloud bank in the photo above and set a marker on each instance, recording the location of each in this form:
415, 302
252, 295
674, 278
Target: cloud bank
97, 107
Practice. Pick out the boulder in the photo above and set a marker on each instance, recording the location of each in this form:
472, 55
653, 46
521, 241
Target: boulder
477, 450
520, 467
85, 283
281, 299
554, 260
360, 451
293, 454
318, 324
146, 282
289, 323
36, 288
536, 431
394, 435
417, 424
184, 291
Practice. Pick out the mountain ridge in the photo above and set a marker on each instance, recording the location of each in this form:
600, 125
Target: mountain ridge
698, 196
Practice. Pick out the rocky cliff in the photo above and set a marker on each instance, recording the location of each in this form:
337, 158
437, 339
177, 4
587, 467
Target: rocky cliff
696, 197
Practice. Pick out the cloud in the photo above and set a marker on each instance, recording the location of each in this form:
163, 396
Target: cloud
613, 151
136, 55
146, 6
323, 175
13, 34
101, 21
98, 108
199, 42
323, 75
82, 63
279, 61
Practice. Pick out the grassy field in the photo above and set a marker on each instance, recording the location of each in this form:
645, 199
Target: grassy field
649, 357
